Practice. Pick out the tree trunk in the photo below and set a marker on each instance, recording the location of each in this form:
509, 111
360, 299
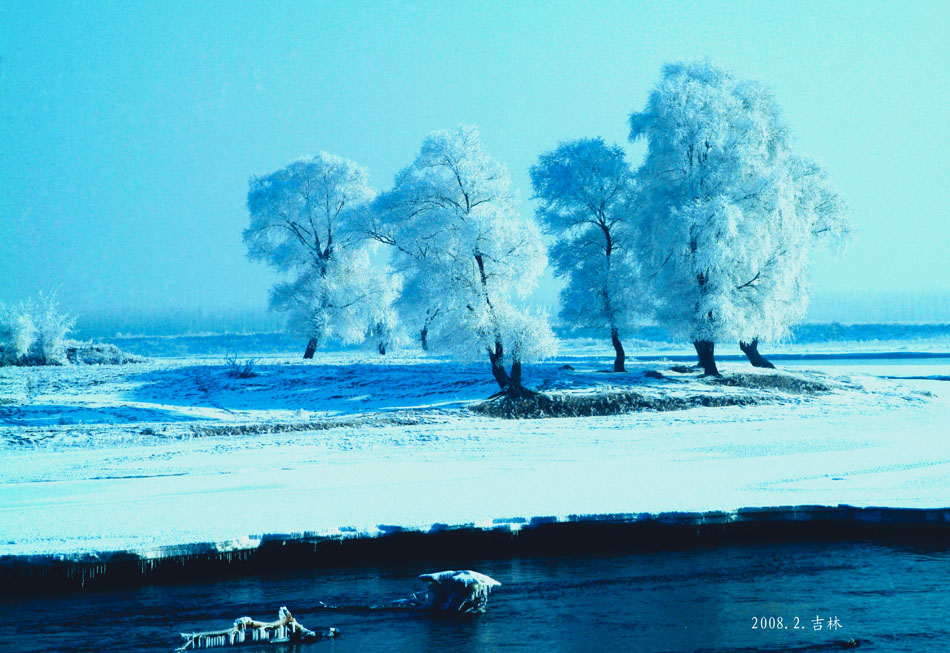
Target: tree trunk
514, 380
618, 347
705, 349
431, 314
311, 347
496, 357
515, 390
751, 350
509, 384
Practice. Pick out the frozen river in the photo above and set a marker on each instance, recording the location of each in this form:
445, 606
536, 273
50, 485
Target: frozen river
887, 598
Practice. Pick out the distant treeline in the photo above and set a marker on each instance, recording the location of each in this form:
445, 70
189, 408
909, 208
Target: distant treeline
826, 310
809, 333
109, 323
280, 342
880, 307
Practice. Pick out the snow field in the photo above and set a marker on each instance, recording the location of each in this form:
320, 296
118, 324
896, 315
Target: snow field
172, 451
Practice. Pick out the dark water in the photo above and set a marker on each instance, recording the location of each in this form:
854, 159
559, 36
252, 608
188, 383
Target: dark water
888, 598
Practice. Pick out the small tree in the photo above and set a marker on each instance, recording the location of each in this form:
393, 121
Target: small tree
384, 329
586, 192
728, 212
420, 302
421, 315
306, 222
350, 301
453, 222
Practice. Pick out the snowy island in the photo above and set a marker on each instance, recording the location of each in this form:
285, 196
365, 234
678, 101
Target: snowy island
174, 457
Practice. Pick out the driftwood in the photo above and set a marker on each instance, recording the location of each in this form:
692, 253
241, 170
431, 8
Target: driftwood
246, 631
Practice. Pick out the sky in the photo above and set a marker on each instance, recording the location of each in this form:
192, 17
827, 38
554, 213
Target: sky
129, 130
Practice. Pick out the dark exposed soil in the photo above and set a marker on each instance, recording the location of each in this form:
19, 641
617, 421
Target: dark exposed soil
780, 382
770, 388
610, 403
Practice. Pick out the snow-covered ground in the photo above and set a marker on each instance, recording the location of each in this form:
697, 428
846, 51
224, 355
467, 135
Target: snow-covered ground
173, 451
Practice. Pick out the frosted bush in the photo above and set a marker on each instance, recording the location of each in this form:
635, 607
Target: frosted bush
34, 332
16, 332
52, 327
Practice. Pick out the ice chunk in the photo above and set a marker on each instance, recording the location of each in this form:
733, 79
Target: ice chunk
464, 592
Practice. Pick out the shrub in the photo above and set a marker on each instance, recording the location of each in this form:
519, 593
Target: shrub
17, 332
34, 332
90, 353
52, 327
238, 370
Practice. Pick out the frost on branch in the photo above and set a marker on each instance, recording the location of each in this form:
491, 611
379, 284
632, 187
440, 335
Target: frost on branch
447, 592
467, 254
350, 301
17, 332
384, 330
587, 194
728, 212
245, 630
307, 222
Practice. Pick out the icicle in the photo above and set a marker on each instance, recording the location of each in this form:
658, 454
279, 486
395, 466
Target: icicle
285, 629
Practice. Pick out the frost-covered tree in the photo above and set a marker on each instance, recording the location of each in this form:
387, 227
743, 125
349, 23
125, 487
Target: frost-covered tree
784, 291
306, 222
456, 233
385, 330
586, 190
728, 212
420, 314
350, 301
419, 303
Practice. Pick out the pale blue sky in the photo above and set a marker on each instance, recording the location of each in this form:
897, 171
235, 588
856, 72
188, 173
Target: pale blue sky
128, 130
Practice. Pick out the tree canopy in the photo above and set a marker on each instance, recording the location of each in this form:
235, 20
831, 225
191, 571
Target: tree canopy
586, 193
306, 221
729, 212
466, 251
